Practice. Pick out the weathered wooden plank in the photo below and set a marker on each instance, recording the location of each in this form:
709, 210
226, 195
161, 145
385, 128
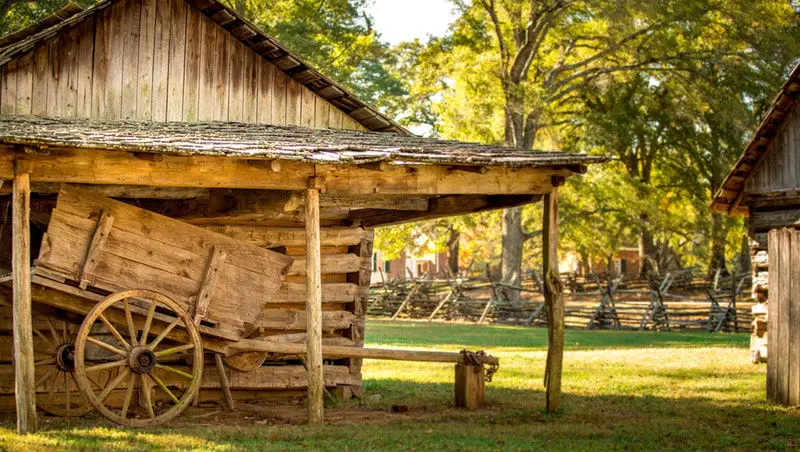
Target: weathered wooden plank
99, 239
54, 73
147, 37
84, 62
68, 82
281, 85
191, 93
265, 90
131, 32
221, 76
177, 59
24, 370
161, 58
336, 118
322, 113
8, 92
41, 62
309, 107
100, 66
773, 331
209, 283
294, 102
209, 38
267, 237
296, 320
337, 263
24, 85
236, 81
294, 293
116, 59
250, 86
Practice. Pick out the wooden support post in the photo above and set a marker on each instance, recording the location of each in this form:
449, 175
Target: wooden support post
316, 384
554, 300
230, 405
470, 386
23, 328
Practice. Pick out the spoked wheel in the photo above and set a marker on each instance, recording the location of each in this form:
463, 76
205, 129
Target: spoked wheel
57, 392
143, 359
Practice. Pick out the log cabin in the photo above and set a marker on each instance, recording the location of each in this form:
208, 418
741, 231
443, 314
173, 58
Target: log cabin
764, 186
185, 109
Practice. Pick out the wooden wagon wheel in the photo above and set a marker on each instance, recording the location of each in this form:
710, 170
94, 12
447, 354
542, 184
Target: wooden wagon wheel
141, 359
57, 393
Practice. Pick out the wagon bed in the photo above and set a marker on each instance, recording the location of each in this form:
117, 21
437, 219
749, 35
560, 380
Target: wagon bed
109, 245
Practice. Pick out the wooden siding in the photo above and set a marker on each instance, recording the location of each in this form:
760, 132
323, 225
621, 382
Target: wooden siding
783, 359
779, 168
162, 61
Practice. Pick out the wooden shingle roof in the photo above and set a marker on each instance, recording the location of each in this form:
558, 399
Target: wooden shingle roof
18, 44
261, 141
729, 196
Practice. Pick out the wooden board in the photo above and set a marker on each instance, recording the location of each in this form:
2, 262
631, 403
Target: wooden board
157, 60
106, 167
149, 251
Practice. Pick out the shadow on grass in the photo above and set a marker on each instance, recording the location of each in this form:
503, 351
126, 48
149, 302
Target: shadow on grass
431, 334
514, 419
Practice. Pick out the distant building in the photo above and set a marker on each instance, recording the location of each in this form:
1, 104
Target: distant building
626, 262
430, 264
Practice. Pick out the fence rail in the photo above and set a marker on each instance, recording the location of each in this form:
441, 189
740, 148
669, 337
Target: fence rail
678, 301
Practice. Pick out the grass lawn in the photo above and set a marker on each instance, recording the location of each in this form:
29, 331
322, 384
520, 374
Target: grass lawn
623, 390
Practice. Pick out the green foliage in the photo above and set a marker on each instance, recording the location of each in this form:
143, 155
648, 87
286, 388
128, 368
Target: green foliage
15, 15
672, 89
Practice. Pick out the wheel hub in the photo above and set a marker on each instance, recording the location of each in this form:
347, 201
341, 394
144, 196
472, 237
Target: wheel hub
142, 360
65, 357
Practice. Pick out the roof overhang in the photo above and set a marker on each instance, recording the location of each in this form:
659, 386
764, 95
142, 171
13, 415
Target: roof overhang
730, 197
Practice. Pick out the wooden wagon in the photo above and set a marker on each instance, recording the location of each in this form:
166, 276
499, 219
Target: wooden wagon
152, 296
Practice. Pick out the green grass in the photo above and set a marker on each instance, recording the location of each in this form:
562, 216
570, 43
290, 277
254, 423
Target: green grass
623, 390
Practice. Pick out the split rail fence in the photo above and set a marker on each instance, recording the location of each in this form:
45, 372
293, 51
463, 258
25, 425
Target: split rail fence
676, 301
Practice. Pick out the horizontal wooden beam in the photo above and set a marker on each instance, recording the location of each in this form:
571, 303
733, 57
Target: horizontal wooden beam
123, 191
102, 167
440, 207
355, 352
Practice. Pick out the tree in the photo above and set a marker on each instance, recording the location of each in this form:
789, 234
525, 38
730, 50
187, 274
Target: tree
531, 62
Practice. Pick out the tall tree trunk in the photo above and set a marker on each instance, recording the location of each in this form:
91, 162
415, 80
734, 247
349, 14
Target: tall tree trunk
513, 239
745, 262
647, 248
453, 242
718, 239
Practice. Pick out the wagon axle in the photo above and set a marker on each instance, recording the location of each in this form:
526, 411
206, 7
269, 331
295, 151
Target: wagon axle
65, 357
142, 360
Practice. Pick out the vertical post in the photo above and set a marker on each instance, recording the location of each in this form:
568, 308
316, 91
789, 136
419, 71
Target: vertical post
24, 376
316, 385
553, 297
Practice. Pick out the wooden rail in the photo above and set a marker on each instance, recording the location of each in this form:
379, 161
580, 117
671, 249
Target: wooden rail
356, 352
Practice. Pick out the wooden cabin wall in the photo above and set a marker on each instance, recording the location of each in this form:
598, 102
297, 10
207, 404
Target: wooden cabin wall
159, 60
779, 168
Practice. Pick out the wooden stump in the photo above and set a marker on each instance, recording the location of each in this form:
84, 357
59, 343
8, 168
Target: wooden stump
470, 386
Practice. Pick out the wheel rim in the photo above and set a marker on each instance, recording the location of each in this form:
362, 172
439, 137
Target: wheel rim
143, 361
57, 391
